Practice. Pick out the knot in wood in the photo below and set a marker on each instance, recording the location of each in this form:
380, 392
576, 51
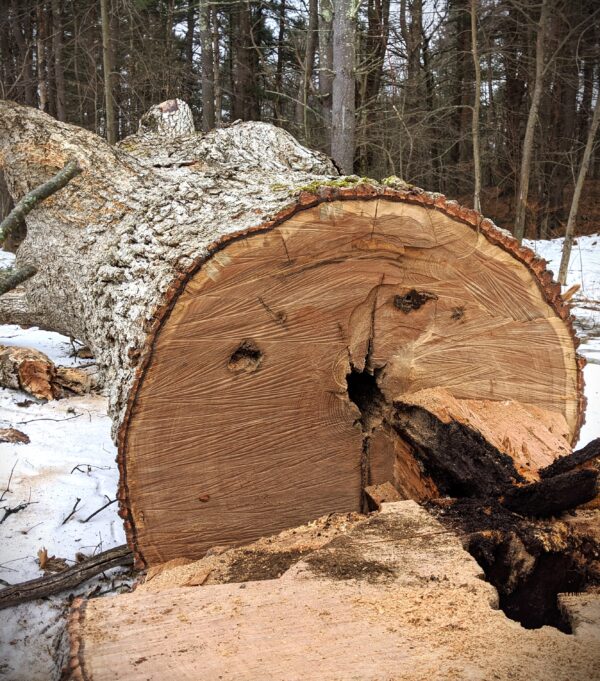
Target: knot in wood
413, 300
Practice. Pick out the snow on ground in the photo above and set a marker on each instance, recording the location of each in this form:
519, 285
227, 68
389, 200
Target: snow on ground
584, 269
71, 456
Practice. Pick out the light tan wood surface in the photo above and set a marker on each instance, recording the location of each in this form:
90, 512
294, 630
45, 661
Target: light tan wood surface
243, 426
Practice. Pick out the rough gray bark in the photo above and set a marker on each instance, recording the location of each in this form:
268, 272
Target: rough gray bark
343, 104
57, 48
109, 245
325, 60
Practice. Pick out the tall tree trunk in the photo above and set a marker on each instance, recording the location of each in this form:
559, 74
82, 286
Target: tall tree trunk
527, 153
476, 105
326, 64
207, 64
111, 130
245, 104
57, 48
307, 68
216, 53
189, 50
20, 20
583, 170
278, 114
411, 27
343, 102
376, 41
41, 37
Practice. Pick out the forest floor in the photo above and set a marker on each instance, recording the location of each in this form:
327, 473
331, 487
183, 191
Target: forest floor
70, 465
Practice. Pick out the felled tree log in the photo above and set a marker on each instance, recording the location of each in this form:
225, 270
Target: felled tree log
35, 373
253, 316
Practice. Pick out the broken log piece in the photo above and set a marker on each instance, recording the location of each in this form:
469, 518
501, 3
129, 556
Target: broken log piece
552, 496
578, 459
35, 373
70, 578
477, 447
28, 370
13, 436
381, 494
254, 316
370, 604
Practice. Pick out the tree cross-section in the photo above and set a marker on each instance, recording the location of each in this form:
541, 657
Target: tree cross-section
256, 316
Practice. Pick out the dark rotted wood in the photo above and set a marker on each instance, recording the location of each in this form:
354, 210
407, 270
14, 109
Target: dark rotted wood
567, 463
459, 460
67, 579
553, 495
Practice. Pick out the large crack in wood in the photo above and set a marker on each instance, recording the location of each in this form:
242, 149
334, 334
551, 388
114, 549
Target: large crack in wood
364, 391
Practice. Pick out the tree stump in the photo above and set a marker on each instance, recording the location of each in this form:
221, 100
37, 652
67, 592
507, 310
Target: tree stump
255, 317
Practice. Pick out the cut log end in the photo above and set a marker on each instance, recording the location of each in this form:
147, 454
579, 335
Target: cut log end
273, 370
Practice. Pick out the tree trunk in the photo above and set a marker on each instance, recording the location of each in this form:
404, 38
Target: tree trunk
41, 37
109, 105
59, 70
583, 170
254, 317
307, 69
476, 104
207, 64
527, 153
343, 105
326, 63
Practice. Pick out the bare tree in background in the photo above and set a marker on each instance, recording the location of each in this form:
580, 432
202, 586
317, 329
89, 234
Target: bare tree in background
476, 106
343, 103
111, 128
207, 65
583, 171
532, 119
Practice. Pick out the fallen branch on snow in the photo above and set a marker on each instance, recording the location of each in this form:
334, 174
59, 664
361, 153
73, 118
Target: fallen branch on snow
67, 579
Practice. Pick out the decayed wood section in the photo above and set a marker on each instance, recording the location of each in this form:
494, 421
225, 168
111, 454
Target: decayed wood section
391, 596
255, 317
35, 373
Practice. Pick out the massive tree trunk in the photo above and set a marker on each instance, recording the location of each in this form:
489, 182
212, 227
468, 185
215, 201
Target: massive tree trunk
260, 322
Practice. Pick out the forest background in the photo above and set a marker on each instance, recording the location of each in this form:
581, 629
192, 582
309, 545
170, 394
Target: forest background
486, 101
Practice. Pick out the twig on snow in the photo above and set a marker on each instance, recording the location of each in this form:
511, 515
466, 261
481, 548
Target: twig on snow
112, 501
75, 505
12, 470
15, 509
69, 418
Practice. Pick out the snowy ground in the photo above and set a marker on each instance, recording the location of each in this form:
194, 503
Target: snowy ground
584, 269
71, 457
